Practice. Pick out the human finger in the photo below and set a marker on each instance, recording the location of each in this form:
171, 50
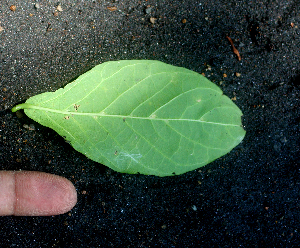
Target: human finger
31, 193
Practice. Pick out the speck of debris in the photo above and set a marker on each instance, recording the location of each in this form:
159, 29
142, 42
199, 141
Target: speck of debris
59, 8
163, 226
48, 27
234, 97
76, 107
153, 19
112, 8
37, 5
13, 7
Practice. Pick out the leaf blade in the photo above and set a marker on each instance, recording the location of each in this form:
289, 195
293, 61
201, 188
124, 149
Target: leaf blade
142, 116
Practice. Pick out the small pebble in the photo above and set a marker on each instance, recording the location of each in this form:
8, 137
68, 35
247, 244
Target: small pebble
30, 127
148, 9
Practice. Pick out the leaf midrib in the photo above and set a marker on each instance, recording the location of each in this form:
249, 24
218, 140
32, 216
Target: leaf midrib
101, 114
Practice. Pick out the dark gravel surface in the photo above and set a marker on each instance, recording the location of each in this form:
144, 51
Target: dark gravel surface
248, 198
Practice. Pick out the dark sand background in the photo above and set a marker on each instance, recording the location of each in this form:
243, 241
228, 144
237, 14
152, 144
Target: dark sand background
248, 198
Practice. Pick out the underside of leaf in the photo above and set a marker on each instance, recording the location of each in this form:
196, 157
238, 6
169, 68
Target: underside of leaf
142, 116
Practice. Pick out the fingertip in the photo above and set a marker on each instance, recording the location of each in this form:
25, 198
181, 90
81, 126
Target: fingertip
43, 194
7, 193
29, 193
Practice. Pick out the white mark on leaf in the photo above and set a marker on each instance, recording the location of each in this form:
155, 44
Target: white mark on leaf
132, 156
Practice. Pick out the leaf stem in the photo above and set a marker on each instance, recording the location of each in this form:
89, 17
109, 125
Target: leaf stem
21, 106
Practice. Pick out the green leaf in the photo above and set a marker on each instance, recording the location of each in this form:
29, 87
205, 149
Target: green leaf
142, 116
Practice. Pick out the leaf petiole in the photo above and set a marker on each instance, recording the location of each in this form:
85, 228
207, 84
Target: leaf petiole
21, 106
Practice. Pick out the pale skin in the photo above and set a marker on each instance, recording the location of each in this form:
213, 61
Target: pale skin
31, 193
